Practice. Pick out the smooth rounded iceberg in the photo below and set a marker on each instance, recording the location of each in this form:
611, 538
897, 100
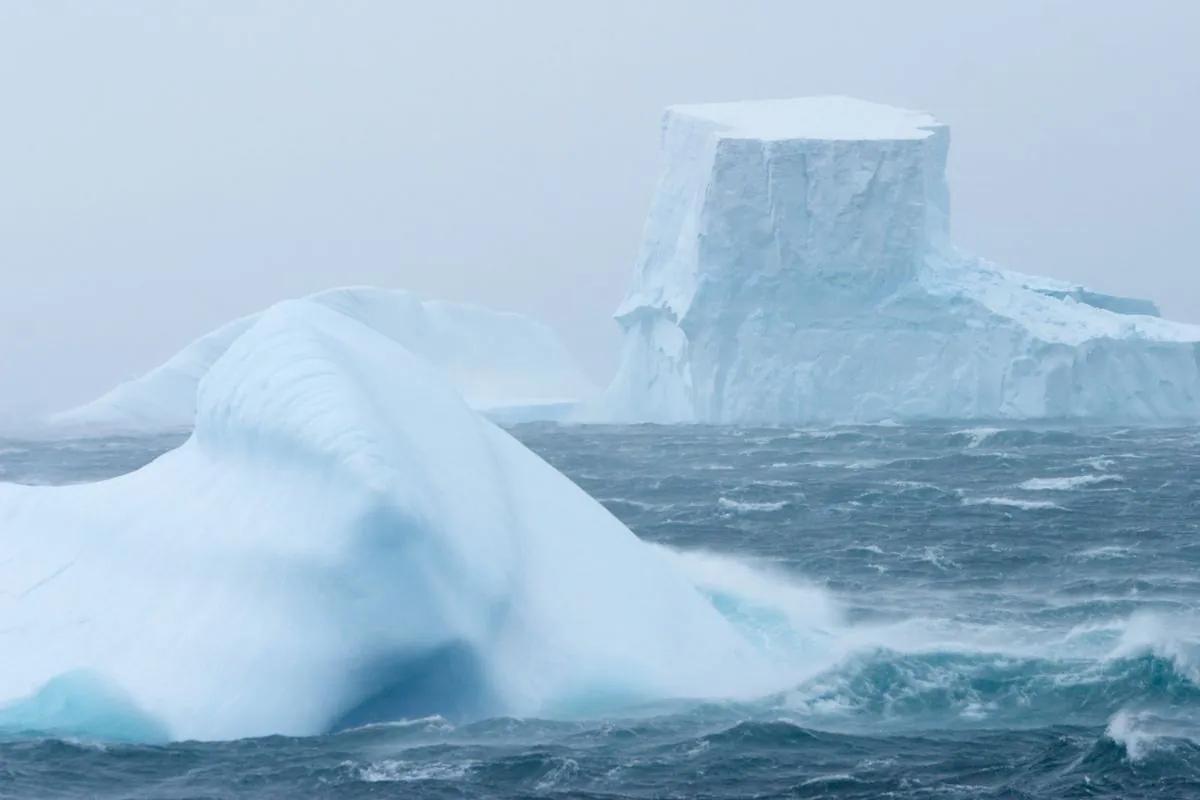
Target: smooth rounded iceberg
797, 268
341, 541
505, 365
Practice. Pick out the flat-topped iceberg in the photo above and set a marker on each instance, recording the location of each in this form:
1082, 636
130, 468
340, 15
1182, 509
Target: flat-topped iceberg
341, 541
797, 267
504, 365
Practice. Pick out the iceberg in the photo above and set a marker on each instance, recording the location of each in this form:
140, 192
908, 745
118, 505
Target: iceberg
797, 267
341, 541
505, 365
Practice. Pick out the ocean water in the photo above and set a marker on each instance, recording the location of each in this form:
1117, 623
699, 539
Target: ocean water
1004, 613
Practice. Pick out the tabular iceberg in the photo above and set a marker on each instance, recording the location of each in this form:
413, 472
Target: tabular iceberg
797, 267
341, 541
505, 365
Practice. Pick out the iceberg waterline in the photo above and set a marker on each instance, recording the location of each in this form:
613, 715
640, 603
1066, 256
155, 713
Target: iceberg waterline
306, 562
1028, 645
342, 541
505, 365
797, 267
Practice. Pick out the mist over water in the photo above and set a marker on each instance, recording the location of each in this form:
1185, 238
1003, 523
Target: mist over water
961, 611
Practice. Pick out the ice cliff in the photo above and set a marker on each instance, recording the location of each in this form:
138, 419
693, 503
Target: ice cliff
797, 267
341, 541
505, 365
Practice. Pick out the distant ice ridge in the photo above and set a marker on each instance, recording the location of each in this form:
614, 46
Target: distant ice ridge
505, 365
797, 268
341, 541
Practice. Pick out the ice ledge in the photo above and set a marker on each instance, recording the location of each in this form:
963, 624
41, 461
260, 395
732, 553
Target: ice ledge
820, 118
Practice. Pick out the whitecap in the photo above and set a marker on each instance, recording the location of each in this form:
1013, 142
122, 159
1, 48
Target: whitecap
978, 436
1064, 484
935, 556
976, 711
910, 484
563, 770
738, 505
1129, 729
1012, 502
836, 777
1175, 638
407, 772
435, 723
870, 463
638, 504
1099, 462
1106, 551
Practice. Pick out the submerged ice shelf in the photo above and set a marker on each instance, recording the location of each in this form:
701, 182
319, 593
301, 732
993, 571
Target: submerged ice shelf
797, 267
505, 365
341, 541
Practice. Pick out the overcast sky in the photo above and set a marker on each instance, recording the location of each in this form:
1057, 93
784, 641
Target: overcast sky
167, 166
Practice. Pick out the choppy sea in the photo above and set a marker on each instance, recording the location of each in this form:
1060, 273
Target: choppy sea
1009, 613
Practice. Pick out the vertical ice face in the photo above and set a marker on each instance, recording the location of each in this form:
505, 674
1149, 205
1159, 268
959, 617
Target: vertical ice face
797, 266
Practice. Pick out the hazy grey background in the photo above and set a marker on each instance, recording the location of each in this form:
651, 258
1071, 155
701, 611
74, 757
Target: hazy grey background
166, 166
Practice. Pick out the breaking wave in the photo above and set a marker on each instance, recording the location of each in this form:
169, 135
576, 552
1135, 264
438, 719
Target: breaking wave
1066, 484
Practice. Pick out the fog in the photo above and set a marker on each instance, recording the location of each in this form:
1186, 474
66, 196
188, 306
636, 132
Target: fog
165, 167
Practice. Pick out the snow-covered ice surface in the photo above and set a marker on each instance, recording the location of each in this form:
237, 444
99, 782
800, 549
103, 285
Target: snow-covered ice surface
341, 541
505, 365
797, 267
